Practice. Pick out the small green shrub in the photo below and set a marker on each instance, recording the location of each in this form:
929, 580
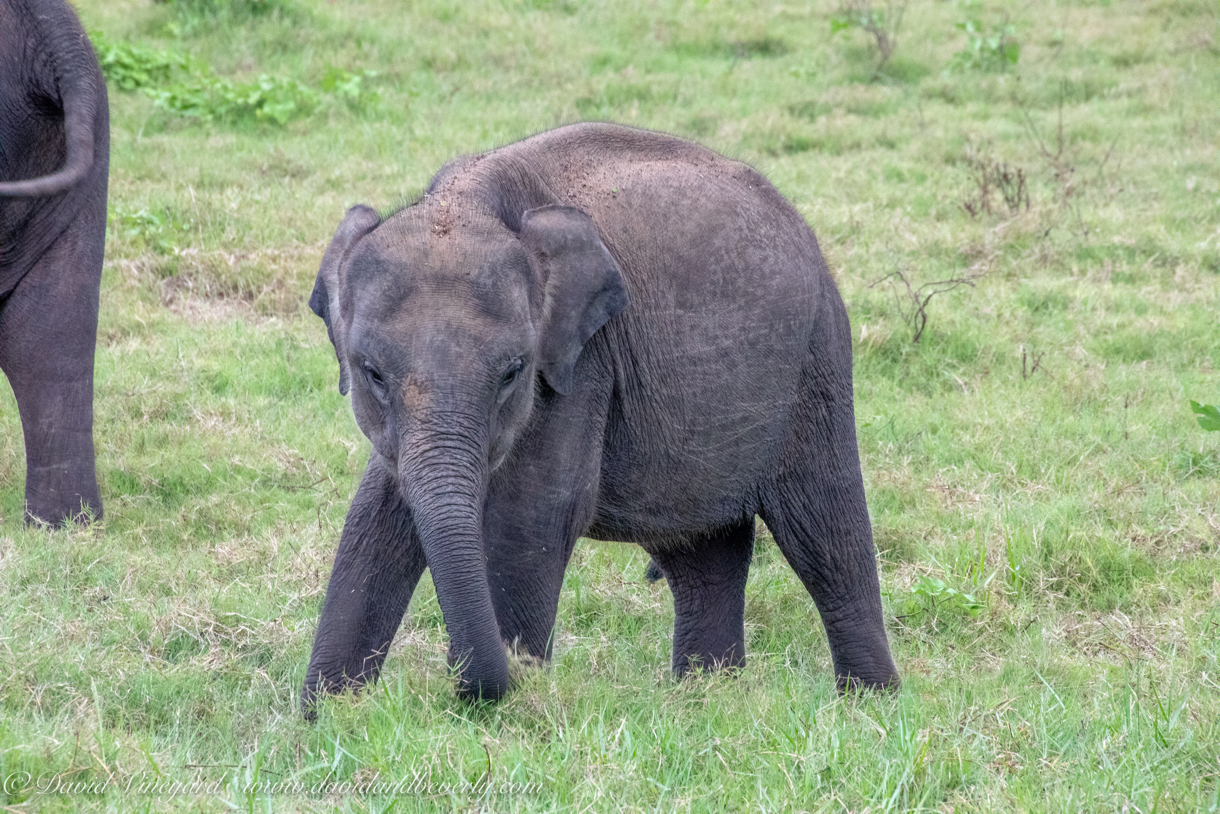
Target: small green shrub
133, 67
178, 86
933, 598
881, 24
142, 229
268, 98
993, 50
1208, 415
355, 89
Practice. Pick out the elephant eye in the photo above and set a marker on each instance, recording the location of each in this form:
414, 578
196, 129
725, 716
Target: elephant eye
374, 378
511, 372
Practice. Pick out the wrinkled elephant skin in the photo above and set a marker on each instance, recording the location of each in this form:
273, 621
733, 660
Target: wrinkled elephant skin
54, 159
604, 332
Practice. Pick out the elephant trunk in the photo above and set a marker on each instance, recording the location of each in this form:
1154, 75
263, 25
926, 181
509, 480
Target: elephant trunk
443, 475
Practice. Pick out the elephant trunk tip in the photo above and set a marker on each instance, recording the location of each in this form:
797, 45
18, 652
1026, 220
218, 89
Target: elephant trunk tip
484, 675
483, 692
311, 694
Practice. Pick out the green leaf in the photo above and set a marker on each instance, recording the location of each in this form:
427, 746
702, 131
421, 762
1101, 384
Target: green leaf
1208, 415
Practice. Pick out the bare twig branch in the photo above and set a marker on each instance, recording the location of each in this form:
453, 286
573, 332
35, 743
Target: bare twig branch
987, 174
1061, 162
881, 24
914, 309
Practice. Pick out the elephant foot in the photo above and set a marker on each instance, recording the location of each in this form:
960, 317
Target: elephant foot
520, 661
850, 685
57, 496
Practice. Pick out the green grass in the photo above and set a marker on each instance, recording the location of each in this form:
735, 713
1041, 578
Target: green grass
1034, 451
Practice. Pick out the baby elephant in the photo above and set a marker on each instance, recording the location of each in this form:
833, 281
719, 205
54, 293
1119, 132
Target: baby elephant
605, 332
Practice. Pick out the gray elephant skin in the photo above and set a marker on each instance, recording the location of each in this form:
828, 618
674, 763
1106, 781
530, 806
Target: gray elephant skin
598, 331
54, 160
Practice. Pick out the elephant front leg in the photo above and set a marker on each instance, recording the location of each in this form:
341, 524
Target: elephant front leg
377, 567
708, 582
538, 504
528, 545
525, 577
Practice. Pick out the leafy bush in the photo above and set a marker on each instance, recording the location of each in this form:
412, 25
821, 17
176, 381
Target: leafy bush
1208, 415
268, 98
133, 67
353, 88
142, 229
992, 50
880, 23
178, 86
934, 598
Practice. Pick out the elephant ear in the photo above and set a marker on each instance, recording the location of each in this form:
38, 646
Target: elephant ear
583, 286
358, 222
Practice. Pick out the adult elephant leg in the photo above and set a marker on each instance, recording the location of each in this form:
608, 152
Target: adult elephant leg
816, 509
48, 333
377, 567
708, 582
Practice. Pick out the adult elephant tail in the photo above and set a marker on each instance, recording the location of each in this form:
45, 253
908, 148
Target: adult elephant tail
80, 88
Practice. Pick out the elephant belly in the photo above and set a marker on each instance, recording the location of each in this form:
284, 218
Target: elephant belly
726, 282
694, 430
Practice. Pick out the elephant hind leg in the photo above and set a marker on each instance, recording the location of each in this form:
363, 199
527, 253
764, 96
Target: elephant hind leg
48, 333
708, 582
826, 538
816, 509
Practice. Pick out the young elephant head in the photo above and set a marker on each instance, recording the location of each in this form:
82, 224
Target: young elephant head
441, 317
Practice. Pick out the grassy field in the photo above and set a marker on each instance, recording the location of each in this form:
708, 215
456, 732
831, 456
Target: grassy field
1046, 509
